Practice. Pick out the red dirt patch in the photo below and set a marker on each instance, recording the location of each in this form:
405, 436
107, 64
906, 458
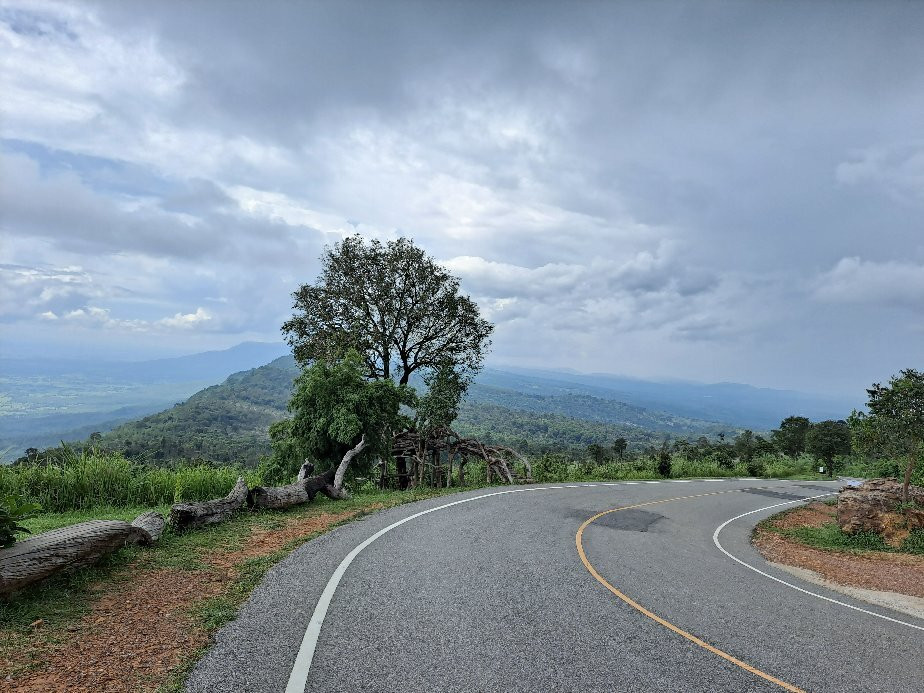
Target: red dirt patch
141, 627
888, 572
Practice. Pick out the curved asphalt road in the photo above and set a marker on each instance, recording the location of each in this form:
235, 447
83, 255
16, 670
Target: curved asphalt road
492, 595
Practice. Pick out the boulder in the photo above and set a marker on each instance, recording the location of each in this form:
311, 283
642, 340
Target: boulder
876, 506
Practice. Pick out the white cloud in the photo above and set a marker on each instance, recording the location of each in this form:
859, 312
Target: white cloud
96, 317
898, 170
884, 284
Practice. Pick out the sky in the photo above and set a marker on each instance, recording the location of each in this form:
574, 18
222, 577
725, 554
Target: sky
705, 191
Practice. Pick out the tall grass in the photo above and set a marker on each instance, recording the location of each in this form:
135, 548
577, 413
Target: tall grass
103, 479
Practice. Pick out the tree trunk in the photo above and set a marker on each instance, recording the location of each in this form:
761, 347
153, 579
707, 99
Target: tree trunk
305, 470
83, 544
279, 497
151, 524
188, 515
338, 490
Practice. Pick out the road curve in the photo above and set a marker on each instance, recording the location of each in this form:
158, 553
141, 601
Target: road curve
499, 593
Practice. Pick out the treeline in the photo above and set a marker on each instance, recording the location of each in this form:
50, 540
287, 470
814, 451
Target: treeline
537, 433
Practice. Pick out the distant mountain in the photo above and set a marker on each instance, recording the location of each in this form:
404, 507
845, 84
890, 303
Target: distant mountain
230, 421
208, 365
734, 404
45, 401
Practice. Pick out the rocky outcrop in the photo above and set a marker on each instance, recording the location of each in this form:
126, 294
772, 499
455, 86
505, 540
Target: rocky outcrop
876, 506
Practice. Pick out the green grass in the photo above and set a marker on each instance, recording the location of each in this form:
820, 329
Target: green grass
829, 536
94, 479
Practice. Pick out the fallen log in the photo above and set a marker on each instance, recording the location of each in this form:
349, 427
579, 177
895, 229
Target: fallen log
279, 497
67, 548
188, 515
152, 524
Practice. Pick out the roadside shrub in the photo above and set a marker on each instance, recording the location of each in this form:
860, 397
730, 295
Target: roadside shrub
550, 468
13, 510
664, 463
105, 479
781, 467
684, 467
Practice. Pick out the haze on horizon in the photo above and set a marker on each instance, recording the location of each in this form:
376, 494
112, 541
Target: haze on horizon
704, 191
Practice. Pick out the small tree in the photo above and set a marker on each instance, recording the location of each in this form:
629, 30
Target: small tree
895, 423
335, 410
789, 438
664, 460
596, 453
620, 445
744, 446
826, 439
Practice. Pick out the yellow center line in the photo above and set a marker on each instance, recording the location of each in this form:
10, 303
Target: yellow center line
654, 617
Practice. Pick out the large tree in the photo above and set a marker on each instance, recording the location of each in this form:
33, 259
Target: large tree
895, 423
393, 304
827, 439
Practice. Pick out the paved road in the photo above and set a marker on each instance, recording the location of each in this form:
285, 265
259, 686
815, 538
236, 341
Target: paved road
492, 595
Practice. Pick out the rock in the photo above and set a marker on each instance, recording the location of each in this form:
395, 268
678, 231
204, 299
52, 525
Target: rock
876, 506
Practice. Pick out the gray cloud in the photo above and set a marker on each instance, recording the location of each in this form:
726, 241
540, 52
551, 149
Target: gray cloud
708, 190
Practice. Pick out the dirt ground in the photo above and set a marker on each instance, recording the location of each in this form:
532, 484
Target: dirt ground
141, 628
887, 572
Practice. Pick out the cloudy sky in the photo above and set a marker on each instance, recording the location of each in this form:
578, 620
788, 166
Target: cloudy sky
728, 191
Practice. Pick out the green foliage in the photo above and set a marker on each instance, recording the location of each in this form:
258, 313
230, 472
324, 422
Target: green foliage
14, 510
784, 467
895, 423
789, 438
620, 445
439, 406
826, 440
664, 461
100, 479
398, 308
830, 536
332, 407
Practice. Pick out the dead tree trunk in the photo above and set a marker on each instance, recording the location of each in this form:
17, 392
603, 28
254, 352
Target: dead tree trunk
338, 489
152, 524
278, 497
188, 515
67, 548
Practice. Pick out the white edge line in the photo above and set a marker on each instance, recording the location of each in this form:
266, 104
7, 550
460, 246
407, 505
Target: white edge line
298, 679
715, 540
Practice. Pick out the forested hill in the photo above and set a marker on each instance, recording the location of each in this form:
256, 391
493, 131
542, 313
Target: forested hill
222, 423
230, 421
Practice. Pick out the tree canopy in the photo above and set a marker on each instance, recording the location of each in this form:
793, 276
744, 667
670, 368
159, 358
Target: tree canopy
827, 439
895, 423
394, 305
789, 438
333, 407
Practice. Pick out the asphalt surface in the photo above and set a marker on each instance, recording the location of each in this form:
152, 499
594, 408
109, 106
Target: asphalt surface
491, 595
